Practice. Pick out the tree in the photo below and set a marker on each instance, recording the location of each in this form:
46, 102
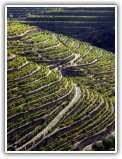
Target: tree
98, 146
108, 143
112, 137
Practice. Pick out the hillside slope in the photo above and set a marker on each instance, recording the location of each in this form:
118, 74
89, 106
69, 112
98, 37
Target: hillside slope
60, 91
95, 25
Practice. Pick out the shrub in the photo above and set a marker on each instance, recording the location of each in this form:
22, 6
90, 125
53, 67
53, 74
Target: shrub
98, 146
113, 139
108, 143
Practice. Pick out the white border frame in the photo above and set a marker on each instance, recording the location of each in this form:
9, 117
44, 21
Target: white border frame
61, 152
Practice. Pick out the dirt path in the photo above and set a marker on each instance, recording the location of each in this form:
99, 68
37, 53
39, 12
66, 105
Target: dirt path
56, 119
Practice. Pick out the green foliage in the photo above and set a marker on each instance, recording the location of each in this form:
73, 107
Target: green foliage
30, 90
17, 29
109, 142
98, 146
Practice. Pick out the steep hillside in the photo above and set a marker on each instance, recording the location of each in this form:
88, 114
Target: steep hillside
89, 24
60, 91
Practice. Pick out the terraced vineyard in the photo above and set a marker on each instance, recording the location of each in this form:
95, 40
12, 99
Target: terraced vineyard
94, 25
61, 91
